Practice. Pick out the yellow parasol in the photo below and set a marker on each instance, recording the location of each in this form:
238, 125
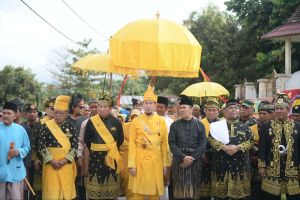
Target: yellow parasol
205, 89
157, 46
101, 63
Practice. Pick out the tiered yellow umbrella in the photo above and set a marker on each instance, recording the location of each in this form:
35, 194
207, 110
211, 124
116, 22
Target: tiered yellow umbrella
157, 46
101, 63
205, 89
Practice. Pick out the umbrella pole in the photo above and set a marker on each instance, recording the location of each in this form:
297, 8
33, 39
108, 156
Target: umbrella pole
104, 82
152, 81
110, 83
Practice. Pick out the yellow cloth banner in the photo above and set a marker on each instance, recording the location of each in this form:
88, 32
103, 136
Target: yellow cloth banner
112, 152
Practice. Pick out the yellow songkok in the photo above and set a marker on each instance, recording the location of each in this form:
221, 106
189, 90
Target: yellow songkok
149, 94
62, 102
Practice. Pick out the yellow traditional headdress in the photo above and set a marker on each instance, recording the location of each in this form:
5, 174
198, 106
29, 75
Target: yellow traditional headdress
149, 94
61, 102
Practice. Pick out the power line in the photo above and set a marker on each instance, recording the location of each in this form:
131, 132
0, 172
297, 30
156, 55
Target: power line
64, 35
84, 21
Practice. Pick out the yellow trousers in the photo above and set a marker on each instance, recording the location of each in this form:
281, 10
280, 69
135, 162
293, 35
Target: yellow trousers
133, 196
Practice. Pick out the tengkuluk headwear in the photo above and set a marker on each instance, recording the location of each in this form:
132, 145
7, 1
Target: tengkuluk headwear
212, 103
105, 97
62, 102
232, 102
149, 94
282, 100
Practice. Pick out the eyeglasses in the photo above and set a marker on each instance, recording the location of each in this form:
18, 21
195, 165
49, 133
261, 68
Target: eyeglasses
59, 113
81, 107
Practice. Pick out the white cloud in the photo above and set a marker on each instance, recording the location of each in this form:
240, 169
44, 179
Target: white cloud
25, 40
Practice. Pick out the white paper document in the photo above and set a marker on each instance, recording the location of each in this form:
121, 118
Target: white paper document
219, 131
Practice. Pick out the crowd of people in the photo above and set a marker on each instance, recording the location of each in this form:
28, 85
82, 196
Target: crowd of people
153, 150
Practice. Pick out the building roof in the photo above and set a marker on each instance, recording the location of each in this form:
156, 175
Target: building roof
291, 29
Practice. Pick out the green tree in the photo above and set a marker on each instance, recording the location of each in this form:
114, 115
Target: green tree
69, 80
19, 82
257, 17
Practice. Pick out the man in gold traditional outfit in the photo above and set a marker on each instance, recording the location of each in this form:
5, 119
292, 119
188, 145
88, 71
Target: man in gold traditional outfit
58, 145
148, 151
231, 141
279, 154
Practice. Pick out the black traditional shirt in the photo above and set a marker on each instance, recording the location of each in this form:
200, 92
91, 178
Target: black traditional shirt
47, 139
187, 134
281, 169
97, 158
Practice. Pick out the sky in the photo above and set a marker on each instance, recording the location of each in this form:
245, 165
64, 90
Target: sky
26, 40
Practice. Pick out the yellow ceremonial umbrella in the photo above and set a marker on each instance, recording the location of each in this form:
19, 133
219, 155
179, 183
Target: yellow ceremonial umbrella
101, 63
205, 89
157, 46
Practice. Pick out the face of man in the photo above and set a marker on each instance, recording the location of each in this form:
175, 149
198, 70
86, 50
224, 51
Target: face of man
296, 117
1, 120
246, 112
263, 116
60, 116
50, 112
138, 106
78, 109
281, 113
161, 109
272, 115
232, 112
212, 113
94, 108
104, 109
196, 112
186, 111
149, 107
32, 115
86, 111
8, 116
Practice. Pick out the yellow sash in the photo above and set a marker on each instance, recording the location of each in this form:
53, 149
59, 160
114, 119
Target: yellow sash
59, 184
112, 150
44, 120
59, 135
205, 122
254, 130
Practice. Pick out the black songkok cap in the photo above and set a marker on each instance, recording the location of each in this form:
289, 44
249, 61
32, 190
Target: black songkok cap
10, 106
135, 101
163, 100
232, 102
185, 100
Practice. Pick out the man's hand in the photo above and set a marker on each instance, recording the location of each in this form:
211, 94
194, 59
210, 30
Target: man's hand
80, 161
165, 171
37, 165
187, 161
55, 164
12, 153
232, 149
262, 172
62, 162
132, 171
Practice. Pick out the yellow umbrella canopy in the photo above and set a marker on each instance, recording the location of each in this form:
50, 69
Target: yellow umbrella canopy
205, 89
160, 47
101, 63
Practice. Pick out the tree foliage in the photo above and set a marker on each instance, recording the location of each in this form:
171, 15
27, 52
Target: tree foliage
232, 48
19, 82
